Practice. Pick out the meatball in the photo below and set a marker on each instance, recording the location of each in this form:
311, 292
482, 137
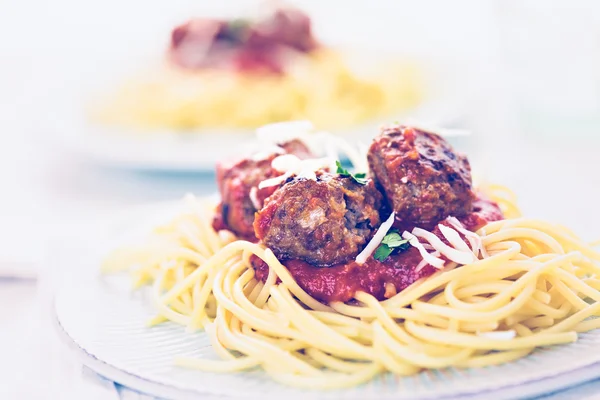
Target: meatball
192, 43
244, 45
240, 197
323, 222
423, 179
284, 26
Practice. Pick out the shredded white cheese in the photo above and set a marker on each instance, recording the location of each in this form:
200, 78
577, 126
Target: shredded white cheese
286, 162
308, 168
359, 163
284, 131
429, 258
498, 335
274, 181
473, 238
254, 198
376, 240
291, 165
424, 262
267, 151
460, 257
454, 238
307, 174
332, 153
363, 149
272, 134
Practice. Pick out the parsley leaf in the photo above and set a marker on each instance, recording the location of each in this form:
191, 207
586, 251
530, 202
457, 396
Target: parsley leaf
237, 30
390, 243
359, 177
382, 252
341, 170
391, 237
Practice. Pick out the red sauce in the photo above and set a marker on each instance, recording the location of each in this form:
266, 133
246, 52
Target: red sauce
341, 282
484, 211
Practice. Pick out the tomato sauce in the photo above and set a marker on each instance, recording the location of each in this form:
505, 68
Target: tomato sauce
340, 282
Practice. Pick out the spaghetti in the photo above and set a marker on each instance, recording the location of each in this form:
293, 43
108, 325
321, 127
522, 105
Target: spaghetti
532, 284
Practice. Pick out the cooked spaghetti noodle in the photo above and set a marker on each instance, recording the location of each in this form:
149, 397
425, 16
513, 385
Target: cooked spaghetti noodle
537, 285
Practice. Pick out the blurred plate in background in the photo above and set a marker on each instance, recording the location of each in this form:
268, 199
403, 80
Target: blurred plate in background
212, 80
177, 151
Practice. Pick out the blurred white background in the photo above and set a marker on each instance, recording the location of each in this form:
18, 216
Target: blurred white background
529, 71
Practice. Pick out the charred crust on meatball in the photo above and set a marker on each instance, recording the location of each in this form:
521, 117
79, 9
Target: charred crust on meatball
236, 179
323, 222
423, 179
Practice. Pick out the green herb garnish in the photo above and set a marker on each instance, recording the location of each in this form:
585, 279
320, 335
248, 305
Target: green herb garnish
382, 252
237, 30
390, 243
359, 177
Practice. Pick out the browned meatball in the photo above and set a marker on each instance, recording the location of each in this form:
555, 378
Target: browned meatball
238, 183
322, 222
284, 26
423, 179
245, 45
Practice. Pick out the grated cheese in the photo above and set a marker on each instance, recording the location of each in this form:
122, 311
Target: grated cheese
286, 162
424, 262
363, 149
332, 153
460, 257
429, 258
359, 163
454, 238
274, 181
473, 238
284, 131
272, 134
267, 152
254, 198
292, 165
376, 240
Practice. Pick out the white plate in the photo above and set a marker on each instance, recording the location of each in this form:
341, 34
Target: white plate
105, 323
172, 150
154, 151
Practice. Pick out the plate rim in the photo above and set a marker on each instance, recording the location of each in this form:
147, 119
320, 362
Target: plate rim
526, 389
559, 379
